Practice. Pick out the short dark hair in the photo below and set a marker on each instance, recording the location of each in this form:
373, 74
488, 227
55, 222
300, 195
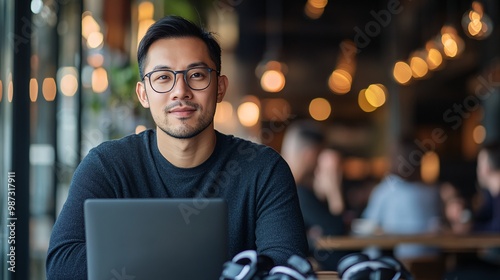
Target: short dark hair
309, 132
175, 27
406, 158
492, 150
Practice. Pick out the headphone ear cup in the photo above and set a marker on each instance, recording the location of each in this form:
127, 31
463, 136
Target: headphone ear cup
392, 262
243, 266
298, 269
384, 273
301, 265
397, 265
349, 260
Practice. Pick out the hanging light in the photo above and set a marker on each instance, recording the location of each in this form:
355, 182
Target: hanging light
270, 70
434, 58
402, 72
476, 24
418, 64
340, 80
451, 42
272, 75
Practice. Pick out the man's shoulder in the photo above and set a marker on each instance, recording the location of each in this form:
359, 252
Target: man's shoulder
125, 144
245, 147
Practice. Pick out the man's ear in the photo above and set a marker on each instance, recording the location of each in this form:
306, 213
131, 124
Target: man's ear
140, 89
221, 87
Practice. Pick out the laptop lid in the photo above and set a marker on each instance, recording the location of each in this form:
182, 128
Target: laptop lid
155, 238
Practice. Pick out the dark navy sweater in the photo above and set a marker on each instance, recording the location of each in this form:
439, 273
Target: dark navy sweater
256, 183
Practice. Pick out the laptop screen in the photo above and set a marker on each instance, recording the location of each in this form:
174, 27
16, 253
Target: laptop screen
155, 238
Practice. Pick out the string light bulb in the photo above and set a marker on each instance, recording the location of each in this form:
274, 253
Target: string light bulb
476, 24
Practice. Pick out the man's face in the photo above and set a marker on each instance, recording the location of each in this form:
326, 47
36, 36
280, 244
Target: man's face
181, 112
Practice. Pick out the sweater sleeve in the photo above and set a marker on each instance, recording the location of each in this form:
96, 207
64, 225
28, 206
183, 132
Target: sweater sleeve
66, 257
280, 230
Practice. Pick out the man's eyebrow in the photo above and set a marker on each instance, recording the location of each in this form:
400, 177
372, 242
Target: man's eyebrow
194, 64
197, 64
161, 67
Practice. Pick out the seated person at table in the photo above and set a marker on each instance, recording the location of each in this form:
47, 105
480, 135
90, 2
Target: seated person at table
485, 218
184, 157
457, 212
317, 173
403, 204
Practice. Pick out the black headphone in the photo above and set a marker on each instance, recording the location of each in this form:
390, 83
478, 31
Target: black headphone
298, 269
359, 266
248, 265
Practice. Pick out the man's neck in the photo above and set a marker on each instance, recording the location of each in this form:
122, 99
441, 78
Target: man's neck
186, 153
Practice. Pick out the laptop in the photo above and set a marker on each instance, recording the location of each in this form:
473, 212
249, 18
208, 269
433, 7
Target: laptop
155, 238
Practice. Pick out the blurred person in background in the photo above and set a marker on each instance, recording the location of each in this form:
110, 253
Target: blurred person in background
457, 214
327, 184
487, 215
485, 218
402, 204
317, 173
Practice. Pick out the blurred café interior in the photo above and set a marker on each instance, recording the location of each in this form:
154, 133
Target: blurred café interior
368, 71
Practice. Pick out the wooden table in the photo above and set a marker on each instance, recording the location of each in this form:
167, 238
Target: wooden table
327, 275
446, 242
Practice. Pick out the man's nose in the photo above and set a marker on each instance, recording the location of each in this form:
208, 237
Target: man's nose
181, 90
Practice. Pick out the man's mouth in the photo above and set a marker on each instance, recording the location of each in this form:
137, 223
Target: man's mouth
184, 111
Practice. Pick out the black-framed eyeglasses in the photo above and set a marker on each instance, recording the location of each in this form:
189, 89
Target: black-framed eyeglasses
197, 78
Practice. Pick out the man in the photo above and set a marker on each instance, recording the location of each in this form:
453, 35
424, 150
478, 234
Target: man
184, 157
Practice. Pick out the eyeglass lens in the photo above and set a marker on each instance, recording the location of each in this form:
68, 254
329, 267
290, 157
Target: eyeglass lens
196, 78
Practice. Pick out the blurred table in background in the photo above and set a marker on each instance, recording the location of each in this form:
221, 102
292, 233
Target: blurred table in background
421, 268
443, 241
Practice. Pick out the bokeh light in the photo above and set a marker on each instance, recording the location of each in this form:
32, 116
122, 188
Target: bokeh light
89, 25
314, 9
402, 72
33, 90
356, 168
452, 44
248, 113
363, 102
340, 81
479, 134
475, 23
49, 89
10, 88
429, 168
95, 40
146, 10
320, 109
69, 84
418, 67
224, 112
375, 94
99, 80
272, 81
434, 58
95, 60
